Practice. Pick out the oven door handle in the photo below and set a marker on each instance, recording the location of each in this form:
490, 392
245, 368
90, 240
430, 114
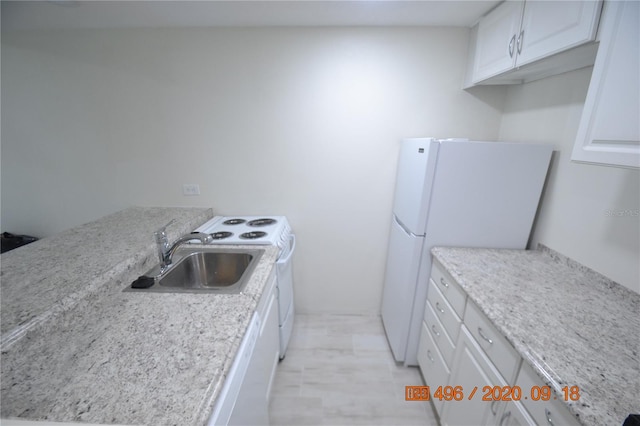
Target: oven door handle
292, 238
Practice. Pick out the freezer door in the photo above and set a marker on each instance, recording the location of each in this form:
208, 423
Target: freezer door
416, 167
403, 262
486, 194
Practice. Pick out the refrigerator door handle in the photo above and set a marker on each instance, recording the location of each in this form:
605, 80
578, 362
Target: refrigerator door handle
404, 228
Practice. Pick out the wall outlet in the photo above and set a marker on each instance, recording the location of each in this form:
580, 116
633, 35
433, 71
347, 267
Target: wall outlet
190, 189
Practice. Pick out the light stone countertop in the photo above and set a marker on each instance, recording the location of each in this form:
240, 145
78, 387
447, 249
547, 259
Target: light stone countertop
92, 353
51, 274
572, 325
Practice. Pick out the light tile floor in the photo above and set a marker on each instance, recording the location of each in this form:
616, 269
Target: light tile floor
339, 371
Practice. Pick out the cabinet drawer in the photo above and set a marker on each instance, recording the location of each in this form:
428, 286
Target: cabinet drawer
499, 351
543, 412
449, 288
443, 310
434, 369
439, 334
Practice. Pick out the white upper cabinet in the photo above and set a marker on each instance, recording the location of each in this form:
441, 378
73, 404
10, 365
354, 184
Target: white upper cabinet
609, 131
496, 41
550, 27
518, 33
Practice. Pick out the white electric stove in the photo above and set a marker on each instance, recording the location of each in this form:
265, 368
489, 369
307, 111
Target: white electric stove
263, 230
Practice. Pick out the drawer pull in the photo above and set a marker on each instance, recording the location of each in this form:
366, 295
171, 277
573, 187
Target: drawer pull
439, 308
547, 414
505, 416
484, 337
433, 328
430, 357
444, 283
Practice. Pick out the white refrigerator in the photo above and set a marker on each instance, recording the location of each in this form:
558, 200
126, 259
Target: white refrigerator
453, 192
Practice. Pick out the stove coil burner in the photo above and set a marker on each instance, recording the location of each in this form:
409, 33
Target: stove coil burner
221, 235
262, 222
234, 221
252, 235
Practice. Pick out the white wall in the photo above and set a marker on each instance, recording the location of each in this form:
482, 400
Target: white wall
300, 122
589, 212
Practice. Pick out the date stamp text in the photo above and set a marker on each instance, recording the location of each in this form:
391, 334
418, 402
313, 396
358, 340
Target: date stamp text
490, 393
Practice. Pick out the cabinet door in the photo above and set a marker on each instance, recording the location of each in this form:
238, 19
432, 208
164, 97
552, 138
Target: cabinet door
496, 41
471, 369
609, 131
252, 404
549, 27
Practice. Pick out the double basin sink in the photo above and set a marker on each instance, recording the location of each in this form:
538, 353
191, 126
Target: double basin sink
205, 269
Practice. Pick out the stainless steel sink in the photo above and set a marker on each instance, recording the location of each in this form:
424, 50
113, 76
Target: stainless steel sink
205, 269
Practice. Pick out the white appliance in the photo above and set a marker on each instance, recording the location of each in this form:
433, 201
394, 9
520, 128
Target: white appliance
263, 230
453, 192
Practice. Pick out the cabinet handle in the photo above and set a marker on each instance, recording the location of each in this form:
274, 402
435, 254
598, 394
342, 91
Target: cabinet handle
484, 337
444, 283
505, 416
519, 43
433, 328
511, 45
430, 357
547, 414
439, 308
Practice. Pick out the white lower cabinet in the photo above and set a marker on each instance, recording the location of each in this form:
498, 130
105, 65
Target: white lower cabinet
495, 387
252, 405
440, 329
244, 398
471, 370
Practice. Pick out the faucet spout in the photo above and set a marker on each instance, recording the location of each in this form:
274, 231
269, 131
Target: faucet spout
168, 254
166, 250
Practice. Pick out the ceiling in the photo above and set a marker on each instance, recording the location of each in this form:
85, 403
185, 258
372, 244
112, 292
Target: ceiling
74, 14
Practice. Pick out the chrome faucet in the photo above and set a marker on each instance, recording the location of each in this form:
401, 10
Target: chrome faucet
166, 250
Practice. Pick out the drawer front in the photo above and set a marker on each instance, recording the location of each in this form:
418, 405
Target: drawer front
434, 369
449, 288
499, 351
439, 334
443, 310
552, 412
